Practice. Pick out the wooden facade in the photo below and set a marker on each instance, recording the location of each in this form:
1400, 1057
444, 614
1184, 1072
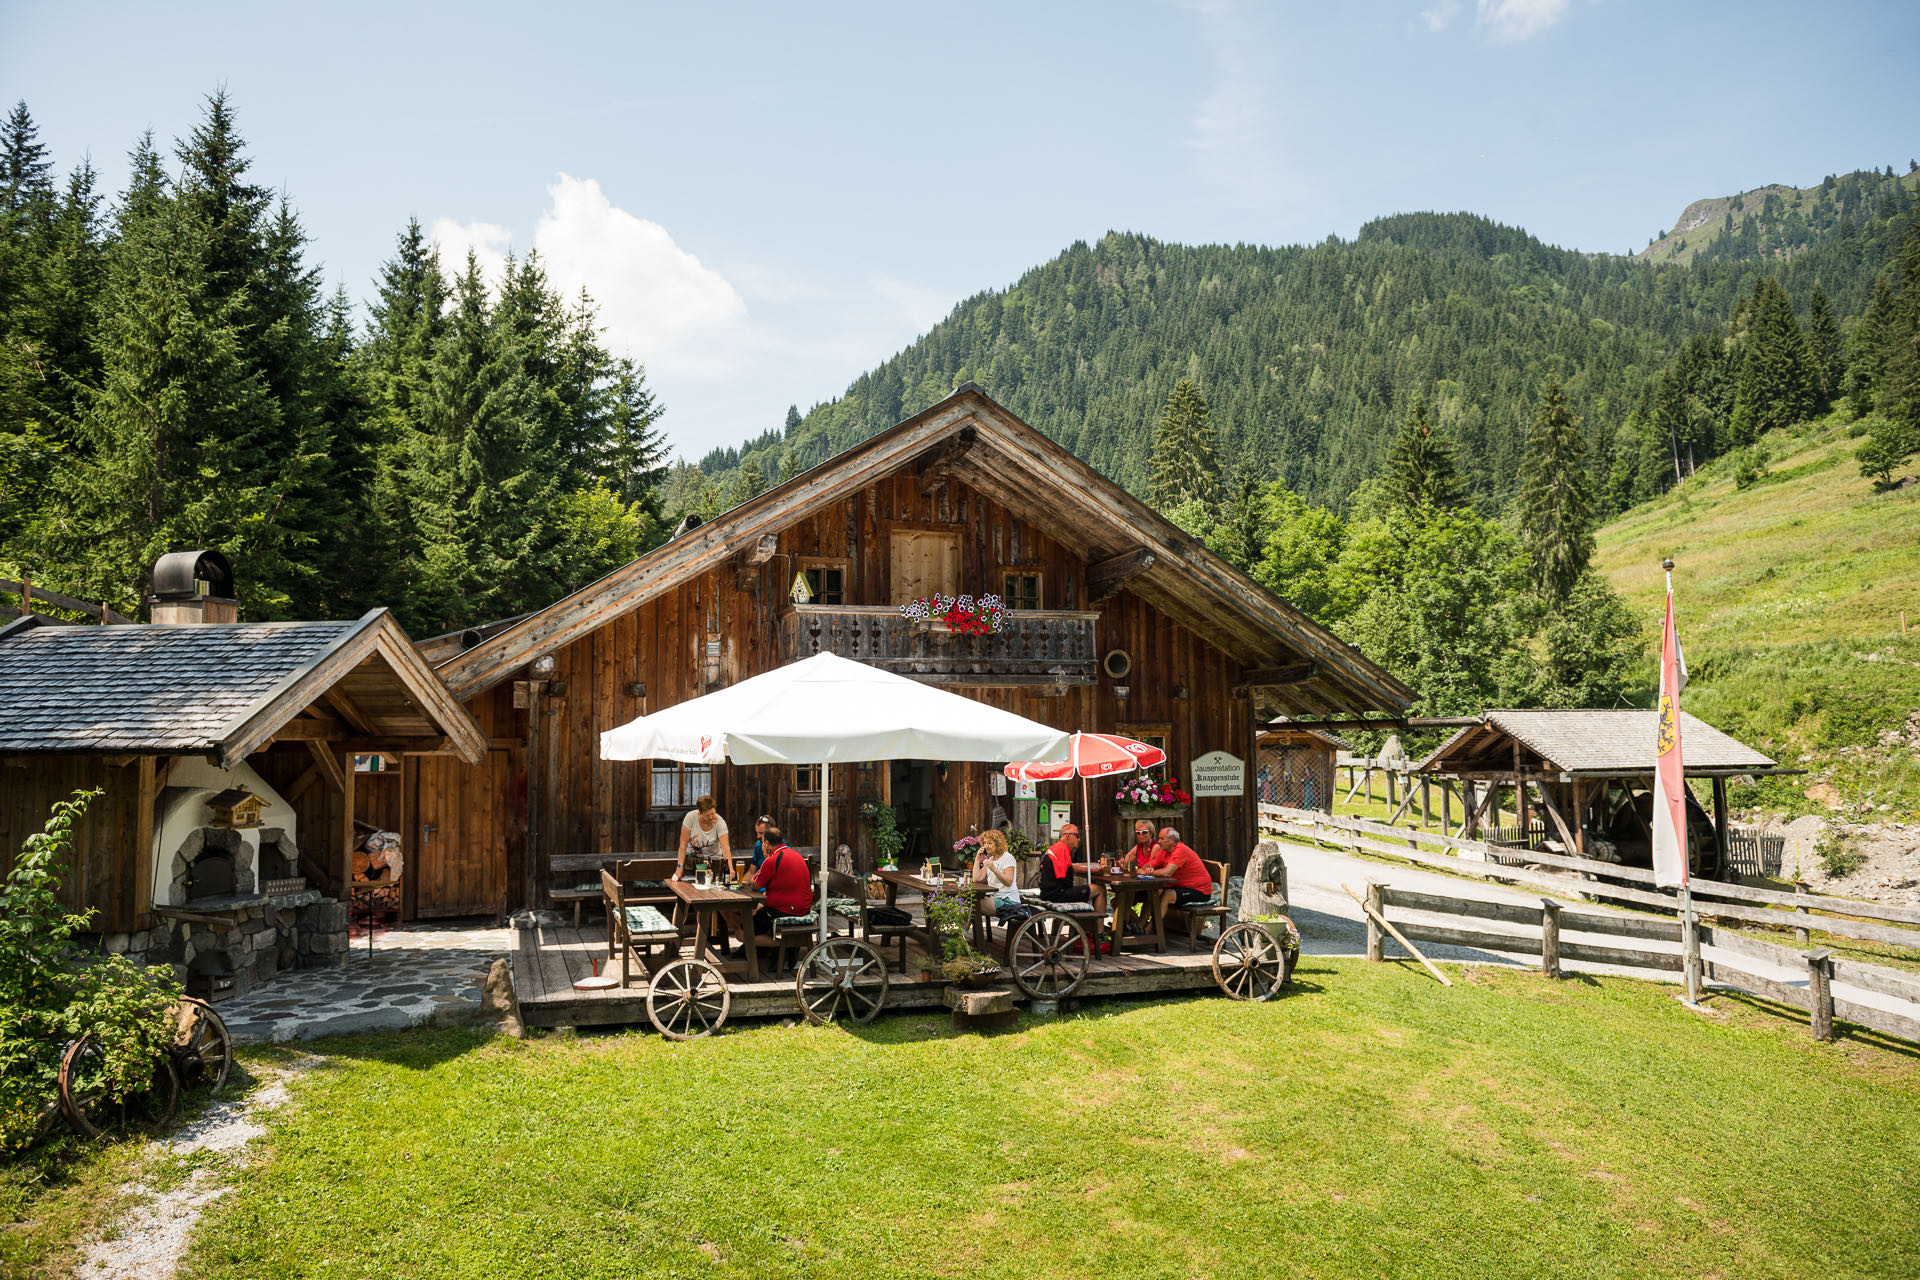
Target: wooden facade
938, 505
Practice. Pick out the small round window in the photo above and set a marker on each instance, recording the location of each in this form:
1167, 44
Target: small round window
1117, 664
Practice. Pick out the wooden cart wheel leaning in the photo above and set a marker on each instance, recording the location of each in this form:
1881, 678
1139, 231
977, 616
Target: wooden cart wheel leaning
842, 978
202, 1047
1248, 963
1049, 955
95, 1110
688, 999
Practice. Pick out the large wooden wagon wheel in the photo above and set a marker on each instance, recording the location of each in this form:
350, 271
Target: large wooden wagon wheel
202, 1048
1248, 963
841, 978
95, 1109
1049, 955
688, 999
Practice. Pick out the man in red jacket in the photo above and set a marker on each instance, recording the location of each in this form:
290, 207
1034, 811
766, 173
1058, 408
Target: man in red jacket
1056, 873
1192, 884
786, 878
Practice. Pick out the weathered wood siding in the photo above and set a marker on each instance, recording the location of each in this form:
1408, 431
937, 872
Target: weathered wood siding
579, 803
102, 864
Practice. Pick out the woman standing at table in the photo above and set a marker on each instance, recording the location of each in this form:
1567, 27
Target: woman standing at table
704, 832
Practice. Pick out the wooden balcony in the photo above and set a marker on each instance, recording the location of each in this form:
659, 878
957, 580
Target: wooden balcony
1037, 647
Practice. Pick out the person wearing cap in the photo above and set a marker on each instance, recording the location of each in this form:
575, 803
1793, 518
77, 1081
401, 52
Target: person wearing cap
1192, 883
1056, 873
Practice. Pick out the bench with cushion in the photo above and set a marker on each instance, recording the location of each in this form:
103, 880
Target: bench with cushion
635, 929
574, 877
1196, 917
851, 894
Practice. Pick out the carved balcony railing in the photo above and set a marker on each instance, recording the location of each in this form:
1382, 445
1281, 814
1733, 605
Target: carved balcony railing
1036, 647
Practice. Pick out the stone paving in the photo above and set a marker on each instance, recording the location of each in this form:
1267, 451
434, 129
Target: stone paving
423, 975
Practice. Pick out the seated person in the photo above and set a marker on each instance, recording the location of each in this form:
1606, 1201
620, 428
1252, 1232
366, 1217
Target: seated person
1145, 854
1056, 873
760, 825
787, 879
995, 869
1192, 884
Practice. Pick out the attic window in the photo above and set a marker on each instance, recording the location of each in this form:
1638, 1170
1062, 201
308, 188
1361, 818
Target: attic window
1020, 589
826, 580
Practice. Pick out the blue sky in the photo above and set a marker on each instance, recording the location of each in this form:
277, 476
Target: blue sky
767, 200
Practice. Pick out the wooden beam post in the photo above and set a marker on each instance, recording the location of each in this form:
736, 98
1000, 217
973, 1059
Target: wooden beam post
1376, 940
1549, 938
1720, 827
345, 765
1580, 815
329, 765
143, 843
1802, 891
1820, 993
409, 837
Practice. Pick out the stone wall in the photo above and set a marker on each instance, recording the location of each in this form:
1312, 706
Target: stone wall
292, 931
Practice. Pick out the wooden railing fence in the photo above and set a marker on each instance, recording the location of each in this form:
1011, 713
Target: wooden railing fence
1632, 885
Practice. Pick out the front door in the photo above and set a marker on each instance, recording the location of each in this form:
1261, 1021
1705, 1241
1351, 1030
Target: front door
457, 851
925, 563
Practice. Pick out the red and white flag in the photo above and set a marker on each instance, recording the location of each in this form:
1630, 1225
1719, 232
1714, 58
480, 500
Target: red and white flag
1669, 778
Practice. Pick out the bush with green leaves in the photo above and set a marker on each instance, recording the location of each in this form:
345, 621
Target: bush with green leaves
53, 989
888, 838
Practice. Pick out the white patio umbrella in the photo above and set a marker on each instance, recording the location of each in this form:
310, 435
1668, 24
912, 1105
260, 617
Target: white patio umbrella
827, 710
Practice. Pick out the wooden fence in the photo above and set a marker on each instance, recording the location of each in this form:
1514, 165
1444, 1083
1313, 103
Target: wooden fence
1713, 900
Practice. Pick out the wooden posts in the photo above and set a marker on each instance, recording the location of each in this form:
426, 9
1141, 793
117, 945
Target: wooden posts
1549, 938
1376, 940
147, 788
1690, 943
1720, 827
1446, 806
1801, 890
1820, 993
347, 838
1374, 907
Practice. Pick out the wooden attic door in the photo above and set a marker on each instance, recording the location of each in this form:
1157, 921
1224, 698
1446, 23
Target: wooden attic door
457, 850
926, 562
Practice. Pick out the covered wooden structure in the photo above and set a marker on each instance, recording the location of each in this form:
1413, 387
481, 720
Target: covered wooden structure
1295, 766
282, 708
1120, 622
1583, 777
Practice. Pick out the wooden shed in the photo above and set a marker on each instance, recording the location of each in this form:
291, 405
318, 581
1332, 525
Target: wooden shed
1582, 777
1296, 764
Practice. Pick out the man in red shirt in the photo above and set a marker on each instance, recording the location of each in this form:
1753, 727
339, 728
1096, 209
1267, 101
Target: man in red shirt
1192, 883
1056, 873
786, 878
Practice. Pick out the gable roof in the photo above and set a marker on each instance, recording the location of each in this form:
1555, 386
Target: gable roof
1592, 743
1299, 666
223, 690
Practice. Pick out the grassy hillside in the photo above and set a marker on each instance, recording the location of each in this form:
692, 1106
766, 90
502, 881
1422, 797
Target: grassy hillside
1773, 221
1789, 595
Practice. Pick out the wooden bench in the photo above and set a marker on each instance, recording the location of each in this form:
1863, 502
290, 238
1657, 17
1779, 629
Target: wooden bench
575, 877
1196, 916
635, 929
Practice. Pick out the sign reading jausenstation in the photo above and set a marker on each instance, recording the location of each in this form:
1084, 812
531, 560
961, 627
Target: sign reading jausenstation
1219, 774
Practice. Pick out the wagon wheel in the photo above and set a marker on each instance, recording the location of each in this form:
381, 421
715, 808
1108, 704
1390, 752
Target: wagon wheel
688, 999
202, 1048
1049, 956
1247, 963
841, 978
95, 1110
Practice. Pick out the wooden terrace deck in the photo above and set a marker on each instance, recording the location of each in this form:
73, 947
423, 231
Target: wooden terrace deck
547, 962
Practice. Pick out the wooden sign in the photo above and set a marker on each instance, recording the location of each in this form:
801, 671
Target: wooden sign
1219, 774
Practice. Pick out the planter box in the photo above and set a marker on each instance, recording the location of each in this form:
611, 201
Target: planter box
1132, 811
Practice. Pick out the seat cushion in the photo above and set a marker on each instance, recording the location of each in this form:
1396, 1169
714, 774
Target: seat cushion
796, 922
844, 907
647, 920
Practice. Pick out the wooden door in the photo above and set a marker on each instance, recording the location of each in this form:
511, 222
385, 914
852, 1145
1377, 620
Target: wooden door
925, 563
457, 850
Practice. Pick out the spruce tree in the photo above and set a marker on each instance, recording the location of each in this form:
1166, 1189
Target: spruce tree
1554, 507
1185, 466
793, 420
635, 458
1826, 352
1420, 472
1776, 384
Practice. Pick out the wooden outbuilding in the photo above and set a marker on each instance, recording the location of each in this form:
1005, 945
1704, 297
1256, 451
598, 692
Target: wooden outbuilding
1296, 766
1581, 778
1118, 622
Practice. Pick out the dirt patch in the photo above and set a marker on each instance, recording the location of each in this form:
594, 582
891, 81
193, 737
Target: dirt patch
1885, 857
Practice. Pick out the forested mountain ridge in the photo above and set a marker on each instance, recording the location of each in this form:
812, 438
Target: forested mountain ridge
1777, 221
1311, 356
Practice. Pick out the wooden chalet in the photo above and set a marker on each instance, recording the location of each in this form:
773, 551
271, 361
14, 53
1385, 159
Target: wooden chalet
1580, 776
1296, 766
225, 753
1119, 622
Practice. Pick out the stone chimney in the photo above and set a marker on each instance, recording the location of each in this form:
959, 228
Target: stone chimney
192, 588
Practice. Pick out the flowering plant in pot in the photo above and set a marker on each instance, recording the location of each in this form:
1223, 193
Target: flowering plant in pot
1145, 791
965, 615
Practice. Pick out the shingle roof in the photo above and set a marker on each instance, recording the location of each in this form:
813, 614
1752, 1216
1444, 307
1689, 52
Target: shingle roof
1612, 742
145, 689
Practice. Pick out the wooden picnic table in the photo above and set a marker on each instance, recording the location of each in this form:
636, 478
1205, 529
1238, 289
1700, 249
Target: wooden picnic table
1123, 887
704, 905
898, 880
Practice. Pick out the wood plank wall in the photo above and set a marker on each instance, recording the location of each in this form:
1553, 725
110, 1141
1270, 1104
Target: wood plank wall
579, 803
100, 867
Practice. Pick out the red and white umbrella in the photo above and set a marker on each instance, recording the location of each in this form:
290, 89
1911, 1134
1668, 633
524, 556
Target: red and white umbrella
1090, 755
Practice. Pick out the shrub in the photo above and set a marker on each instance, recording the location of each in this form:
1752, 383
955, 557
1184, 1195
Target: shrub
1837, 858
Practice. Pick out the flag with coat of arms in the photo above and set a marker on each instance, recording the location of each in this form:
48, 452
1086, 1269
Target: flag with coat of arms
1669, 777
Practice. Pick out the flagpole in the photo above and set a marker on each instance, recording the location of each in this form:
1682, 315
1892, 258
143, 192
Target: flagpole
1689, 935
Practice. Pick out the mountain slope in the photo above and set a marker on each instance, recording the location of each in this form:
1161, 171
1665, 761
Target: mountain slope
1778, 221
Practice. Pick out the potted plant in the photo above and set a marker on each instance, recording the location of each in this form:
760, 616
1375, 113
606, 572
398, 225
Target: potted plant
965, 615
1146, 796
888, 839
950, 916
1284, 931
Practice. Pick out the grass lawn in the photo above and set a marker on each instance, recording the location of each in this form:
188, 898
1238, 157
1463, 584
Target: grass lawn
1369, 1124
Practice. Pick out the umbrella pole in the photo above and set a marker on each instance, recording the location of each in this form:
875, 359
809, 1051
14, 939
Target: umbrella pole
826, 843
1086, 829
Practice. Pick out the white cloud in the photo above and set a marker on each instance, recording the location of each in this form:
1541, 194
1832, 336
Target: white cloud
1440, 14
654, 298
488, 243
1521, 19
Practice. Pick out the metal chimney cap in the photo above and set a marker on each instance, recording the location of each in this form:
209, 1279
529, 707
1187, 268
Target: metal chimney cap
177, 575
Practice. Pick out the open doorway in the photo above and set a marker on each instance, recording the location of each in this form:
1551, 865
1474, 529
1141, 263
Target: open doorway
910, 786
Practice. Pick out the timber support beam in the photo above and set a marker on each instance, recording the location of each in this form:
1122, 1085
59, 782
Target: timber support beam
1106, 577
